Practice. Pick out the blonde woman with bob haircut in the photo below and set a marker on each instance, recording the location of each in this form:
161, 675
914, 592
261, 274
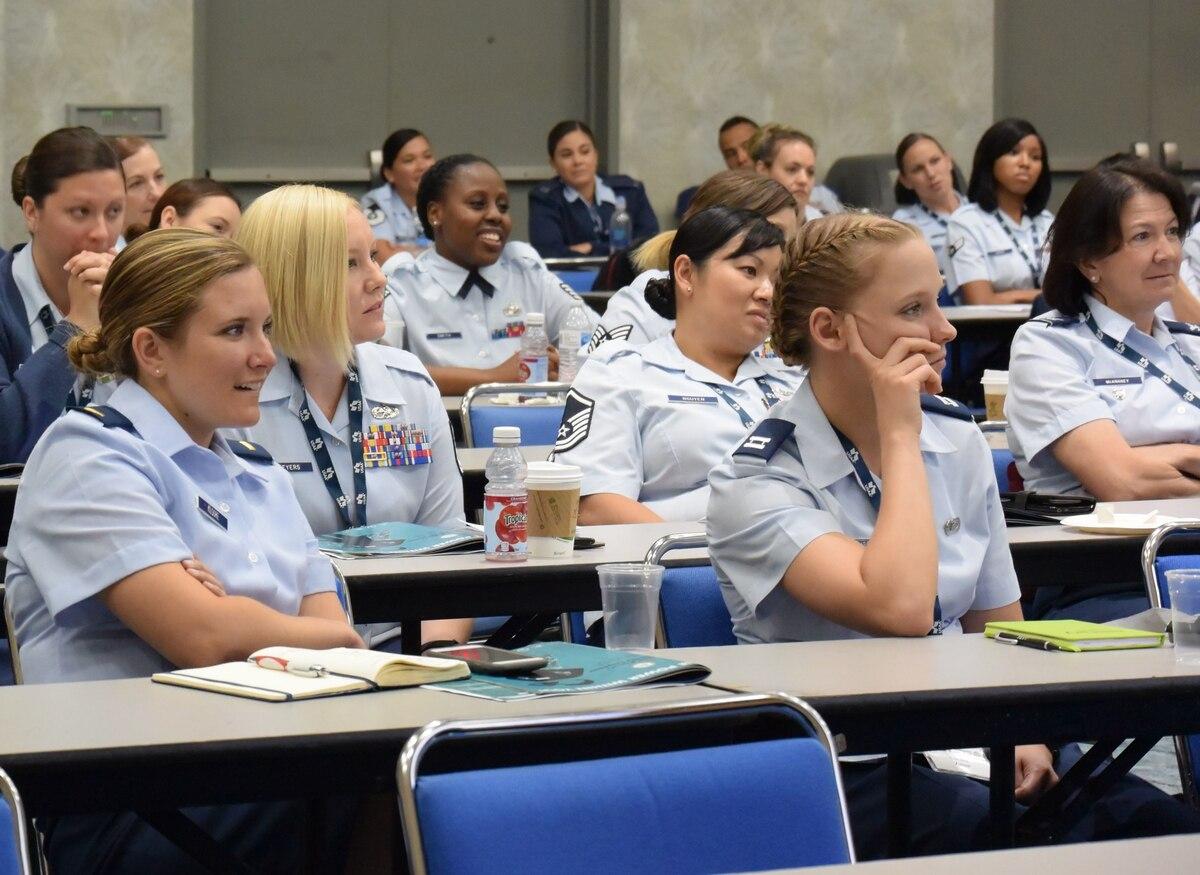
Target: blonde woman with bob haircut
145, 541
863, 506
336, 399
629, 316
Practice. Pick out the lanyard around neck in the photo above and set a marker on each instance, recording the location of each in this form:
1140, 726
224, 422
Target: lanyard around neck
941, 221
870, 488
1034, 264
764, 386
321, 453
1144, 363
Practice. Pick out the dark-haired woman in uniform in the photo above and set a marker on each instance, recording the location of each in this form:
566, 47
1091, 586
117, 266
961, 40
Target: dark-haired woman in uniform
391, 209
464, 301
572, 214
646, 423
72, 195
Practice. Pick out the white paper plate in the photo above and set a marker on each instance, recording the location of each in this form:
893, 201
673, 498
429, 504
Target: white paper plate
1121, 523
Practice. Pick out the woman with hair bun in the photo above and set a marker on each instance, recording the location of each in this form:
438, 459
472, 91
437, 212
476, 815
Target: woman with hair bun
788, 156
628, 316
144, 181
144, 541
72, 196
925, 190
201, 204
863, 506
647, 423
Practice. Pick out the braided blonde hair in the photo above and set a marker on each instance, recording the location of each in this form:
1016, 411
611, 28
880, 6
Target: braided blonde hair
825, 265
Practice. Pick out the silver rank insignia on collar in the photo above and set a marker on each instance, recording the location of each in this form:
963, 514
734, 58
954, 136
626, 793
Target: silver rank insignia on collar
382, 411
951, 525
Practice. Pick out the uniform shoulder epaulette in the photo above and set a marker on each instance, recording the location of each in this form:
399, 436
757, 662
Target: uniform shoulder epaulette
1183, 328
1056, 321
766, 439
109, 417
945, 406
250, 450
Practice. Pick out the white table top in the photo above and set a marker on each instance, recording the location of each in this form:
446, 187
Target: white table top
987, 313
1181, 507
888, 666
627, 543
1165, 854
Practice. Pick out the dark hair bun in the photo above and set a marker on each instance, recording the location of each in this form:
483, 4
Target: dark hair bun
660, 295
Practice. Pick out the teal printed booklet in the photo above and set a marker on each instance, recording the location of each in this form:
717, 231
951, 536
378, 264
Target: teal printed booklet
576, 668
398, 539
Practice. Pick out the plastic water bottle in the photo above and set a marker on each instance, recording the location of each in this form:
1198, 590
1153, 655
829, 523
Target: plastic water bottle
573, 339
620, 228
505, 501
535, 350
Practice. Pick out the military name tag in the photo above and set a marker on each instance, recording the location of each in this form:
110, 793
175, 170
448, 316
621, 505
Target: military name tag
296, 467
212, 513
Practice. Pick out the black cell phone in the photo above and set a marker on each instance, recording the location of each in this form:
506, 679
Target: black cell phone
583, 542
491, 660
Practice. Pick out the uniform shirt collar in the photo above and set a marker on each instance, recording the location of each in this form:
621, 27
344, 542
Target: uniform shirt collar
665, 353
394, 201
376, 378
604, 193
29, 284
162, 430
451, 276
1122, 329
821, 451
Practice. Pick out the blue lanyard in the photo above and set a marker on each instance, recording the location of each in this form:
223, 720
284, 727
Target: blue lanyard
943, 222
1034, 269
321, 454
871, 489
89, 384
764, 386
1144, 363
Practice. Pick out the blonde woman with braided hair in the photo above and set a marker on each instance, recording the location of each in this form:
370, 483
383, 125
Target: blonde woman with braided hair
865, 505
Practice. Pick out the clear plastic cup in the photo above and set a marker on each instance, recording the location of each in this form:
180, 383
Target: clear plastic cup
629, 593
1184, 587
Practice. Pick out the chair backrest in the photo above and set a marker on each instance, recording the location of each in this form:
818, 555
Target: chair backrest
14, 836
1001, 460
10, 634
343, 594
740, 783
538, 422
691, 609
579, 280
864, 181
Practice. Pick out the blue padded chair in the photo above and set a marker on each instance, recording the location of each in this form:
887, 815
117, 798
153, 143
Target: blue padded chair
1001, 459
1154, 572
538, 423
579, 280
11, 670
14, 835
742, 783
691, 609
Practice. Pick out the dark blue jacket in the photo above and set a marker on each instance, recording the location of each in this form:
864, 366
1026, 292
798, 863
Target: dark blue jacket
555, 225
33, 388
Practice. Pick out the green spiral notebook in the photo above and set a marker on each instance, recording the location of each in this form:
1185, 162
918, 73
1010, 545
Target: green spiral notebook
1072, 636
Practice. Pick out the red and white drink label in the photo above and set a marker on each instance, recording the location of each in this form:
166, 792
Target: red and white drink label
504, 523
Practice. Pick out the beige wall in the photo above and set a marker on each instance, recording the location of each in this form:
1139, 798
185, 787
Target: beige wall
855, 74
55, 52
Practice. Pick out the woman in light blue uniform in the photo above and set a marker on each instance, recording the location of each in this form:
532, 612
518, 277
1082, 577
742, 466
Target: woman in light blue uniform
925, 191
372, 412
789, 157
628, 316
998, 240
1088, 409
72, 195
463, 302
645, 424
143, 541
808, 545
391, 208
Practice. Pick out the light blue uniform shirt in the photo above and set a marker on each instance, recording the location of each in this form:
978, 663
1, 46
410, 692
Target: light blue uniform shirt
1061, 376
979, 248
33, 295
933, 226
390, 217
98, 504
763, 512
478, 331
1191, 250
629, 318
397, 391
648, 423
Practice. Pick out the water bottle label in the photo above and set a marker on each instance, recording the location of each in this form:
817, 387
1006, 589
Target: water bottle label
535, 368
504, 523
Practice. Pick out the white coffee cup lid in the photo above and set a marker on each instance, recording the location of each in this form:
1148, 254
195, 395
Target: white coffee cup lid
553, 474
994, 378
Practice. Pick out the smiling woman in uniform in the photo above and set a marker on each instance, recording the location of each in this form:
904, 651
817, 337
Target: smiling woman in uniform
464, 301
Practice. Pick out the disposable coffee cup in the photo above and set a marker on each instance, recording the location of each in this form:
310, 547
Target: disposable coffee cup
995, 390
1184, 588
629, 593
553, 511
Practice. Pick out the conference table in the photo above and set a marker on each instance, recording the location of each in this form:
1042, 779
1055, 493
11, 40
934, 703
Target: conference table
984, 322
